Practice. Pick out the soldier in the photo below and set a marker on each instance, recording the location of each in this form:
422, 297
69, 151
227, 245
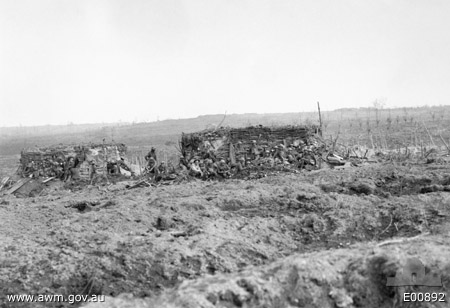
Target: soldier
150, 154
279, 153
92, 171
239, 165
29, 169
112, 168
206, 146
301, 145
195, 169
160, 171
171, 168
70, 163
202, 166
274, 151
94, 175
211, 168
239, 148
254, 151
57, 169
121, 163
151, 165
223, 169
162, 167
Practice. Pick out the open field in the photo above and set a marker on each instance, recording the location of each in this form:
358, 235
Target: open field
8, 164
325, 238
369, 126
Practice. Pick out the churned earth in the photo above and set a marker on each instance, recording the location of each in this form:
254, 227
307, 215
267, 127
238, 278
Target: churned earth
325, 238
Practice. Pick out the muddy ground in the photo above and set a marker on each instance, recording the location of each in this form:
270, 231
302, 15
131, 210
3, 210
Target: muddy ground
325, 238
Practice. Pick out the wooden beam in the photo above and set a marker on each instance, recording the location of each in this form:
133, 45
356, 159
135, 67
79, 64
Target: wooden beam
4, 181
446, 145
18, 184
48, 180
320, 119
429, 135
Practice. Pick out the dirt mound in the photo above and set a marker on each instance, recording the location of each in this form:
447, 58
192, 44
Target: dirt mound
353, 277
384, 180
210, 237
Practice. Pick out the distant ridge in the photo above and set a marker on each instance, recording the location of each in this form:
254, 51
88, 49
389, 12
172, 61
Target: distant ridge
165, 132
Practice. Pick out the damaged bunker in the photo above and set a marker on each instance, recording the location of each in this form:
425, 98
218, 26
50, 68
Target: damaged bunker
47, 162
231, 144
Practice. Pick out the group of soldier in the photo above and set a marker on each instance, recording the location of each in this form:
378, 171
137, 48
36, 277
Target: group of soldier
68, 168
202, 162
205, 164
57, 167
158, 171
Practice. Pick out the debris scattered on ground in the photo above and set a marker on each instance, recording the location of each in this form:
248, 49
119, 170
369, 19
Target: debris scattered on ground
140, 183
83, 205
4, 182
164, 245
17, 185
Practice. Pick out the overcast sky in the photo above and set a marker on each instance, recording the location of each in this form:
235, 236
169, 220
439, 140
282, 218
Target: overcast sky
90, 61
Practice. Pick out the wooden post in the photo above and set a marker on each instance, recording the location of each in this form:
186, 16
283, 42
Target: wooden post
105, 162
320, 119
104, 158
448, 149
429, 135
138, 158
166, 162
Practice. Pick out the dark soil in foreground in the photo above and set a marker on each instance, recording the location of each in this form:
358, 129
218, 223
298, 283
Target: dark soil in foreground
327, 238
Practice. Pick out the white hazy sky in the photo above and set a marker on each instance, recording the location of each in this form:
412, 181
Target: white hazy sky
132, 60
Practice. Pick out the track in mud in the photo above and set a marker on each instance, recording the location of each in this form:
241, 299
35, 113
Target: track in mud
148, 240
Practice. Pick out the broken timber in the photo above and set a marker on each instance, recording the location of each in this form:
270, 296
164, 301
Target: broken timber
4, 181
16, 186
48, 180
